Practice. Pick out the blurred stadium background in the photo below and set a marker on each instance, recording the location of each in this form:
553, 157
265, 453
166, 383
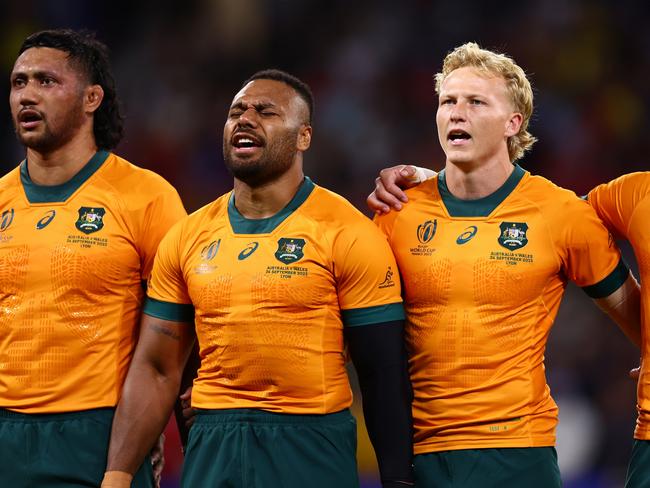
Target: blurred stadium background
370, 64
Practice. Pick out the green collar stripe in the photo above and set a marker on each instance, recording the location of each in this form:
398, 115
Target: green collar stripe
373, 315
610, 283
242, 225
174, 312
483, 206
60, 193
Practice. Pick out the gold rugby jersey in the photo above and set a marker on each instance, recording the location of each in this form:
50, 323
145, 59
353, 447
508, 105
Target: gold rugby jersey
624, 206
271, 297
483, 280
73, 258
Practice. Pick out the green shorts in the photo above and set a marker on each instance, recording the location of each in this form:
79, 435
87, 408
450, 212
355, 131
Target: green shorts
247, 448
638, 472
529, 467
66, 450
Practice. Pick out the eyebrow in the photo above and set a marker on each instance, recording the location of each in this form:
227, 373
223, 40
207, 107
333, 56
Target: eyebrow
36, 74
258, 106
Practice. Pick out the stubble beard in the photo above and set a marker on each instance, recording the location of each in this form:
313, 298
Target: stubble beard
52, 138
274, 161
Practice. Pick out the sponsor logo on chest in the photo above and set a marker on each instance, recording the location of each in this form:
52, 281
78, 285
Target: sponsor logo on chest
511, 236
289, 250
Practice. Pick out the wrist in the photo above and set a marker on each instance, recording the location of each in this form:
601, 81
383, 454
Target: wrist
117, 479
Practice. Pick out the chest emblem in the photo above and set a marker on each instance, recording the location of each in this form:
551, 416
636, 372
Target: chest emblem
426, 231
248, 250
513, 235
91, 219
467, 235
45, 220
210, 251
290, 250
6, 219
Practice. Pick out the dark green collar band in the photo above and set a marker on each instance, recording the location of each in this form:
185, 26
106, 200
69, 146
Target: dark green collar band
483, 206
60, 193
242, 225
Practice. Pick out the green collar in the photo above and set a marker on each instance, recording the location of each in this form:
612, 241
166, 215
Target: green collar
242, 225
481, 207
60, 193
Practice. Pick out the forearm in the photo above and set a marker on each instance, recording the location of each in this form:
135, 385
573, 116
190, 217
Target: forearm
183, 403
380, 359
387, 413
143, 411
624, 307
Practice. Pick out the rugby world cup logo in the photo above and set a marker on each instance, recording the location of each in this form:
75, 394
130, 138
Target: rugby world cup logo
6, 219
427, 230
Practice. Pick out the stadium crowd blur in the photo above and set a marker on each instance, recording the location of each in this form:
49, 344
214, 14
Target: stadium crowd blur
370, 64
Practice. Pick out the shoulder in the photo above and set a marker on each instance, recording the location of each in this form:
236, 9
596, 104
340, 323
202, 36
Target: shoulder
631, 183
427, 189
324, 204
195, 222
11, 180
549, 197
130, 179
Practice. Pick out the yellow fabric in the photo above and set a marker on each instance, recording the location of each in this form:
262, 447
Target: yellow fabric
624, 206
270, 333
479, 313
70, 301
116, 479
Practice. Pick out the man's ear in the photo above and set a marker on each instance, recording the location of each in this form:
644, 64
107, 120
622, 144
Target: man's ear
304, 138
514, 124
94, 94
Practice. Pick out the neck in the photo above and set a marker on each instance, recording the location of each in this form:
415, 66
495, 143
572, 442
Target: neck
471, 182
268, 199
60, 165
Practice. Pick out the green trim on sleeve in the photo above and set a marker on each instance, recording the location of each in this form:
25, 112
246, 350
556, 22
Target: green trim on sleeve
174, 312
609, 284
373, 315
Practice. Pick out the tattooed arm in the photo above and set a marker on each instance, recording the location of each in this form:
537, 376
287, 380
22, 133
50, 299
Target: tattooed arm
148, 396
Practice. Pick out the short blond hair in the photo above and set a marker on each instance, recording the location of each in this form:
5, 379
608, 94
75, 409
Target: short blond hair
471, 55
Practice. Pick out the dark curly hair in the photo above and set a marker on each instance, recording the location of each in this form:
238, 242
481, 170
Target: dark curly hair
301, 88
91, 57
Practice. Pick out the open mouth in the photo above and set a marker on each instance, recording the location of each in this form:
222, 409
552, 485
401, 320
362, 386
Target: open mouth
458, 135
246, 141
29, 118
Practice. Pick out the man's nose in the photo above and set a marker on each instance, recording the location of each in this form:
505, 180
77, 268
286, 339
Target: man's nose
29, 94
458, 111
249, 117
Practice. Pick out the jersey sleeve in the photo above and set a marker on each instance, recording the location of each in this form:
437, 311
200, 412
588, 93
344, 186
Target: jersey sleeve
157, 217
616, 201
167, 295
590, 257
368, 283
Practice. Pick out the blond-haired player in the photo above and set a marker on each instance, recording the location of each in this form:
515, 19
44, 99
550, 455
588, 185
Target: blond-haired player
485, 250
